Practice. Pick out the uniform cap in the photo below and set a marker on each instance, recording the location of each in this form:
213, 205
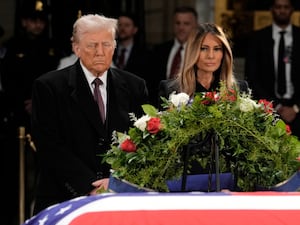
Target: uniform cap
34, 9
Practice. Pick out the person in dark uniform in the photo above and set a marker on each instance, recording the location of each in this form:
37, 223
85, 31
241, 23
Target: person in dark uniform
29, 53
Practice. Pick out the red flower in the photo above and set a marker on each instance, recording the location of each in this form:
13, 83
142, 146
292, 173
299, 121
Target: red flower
128, 146
230, 95
288, 129
209, 98
268, 106
154, 125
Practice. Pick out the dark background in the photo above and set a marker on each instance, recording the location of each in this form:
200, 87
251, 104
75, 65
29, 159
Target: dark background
63, 13
257, 4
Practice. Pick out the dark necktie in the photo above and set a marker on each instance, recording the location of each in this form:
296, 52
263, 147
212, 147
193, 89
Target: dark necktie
175, 66
121, 59
98, 98
281, 78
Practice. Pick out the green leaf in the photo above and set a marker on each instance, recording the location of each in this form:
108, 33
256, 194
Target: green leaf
150, 110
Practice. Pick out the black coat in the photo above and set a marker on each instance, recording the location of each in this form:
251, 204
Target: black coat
68, 131
159, 60
161, 54
259, 65
260, 72
139, 63
24, 61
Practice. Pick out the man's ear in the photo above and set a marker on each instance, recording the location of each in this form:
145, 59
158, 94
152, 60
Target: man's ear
76, 49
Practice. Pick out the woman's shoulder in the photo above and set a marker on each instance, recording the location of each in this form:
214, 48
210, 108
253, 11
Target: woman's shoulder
242, 85
166, 87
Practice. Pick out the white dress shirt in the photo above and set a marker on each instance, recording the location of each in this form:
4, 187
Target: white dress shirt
172, 54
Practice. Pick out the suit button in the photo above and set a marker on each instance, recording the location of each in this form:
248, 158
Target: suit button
99, 175
101, 142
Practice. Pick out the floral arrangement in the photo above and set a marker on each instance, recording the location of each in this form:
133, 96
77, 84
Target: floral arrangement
261, 147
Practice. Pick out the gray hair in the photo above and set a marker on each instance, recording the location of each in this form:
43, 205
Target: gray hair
93, 22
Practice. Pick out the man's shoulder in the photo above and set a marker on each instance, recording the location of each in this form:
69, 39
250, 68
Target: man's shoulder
296, 29
164, 45
50, 75
124, 75
260, 35
263, 30
57, 76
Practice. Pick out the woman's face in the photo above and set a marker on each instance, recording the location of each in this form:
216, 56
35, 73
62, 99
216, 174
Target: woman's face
210, 54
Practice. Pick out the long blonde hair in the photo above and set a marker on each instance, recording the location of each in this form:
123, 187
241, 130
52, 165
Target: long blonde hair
187, 78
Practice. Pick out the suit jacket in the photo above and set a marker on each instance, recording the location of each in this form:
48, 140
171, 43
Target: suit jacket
259, 65
68, 132
139, 64
136, 61
161, 56
159, 60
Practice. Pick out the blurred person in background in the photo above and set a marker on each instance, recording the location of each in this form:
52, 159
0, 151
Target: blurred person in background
29, 53
262, 64
131, 52
185, 20
8, 146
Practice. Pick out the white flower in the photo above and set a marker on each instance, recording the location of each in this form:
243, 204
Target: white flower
141, 123
247, 104
179, 99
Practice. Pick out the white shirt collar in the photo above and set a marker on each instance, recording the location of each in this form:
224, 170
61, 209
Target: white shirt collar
128, 47
177, 44
277, 29
90, 77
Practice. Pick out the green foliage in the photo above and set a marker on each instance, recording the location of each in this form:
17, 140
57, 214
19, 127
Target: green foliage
262, 152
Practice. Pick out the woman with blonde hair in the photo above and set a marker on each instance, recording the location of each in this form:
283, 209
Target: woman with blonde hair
208, 60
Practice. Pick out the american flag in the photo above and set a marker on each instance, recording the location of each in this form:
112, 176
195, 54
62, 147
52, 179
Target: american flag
193, 208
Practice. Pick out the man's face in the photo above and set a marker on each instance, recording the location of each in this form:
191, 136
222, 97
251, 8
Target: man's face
95, 50
126, 28
184, 23
282, 11
34, 27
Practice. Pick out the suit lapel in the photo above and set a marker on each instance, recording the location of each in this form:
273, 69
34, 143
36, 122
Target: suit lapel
82, 95
111, 97
117, 91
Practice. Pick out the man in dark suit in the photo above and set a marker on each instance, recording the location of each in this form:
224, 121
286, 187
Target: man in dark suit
131, 53
262, 63
129, 43
184, 21
67, 124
